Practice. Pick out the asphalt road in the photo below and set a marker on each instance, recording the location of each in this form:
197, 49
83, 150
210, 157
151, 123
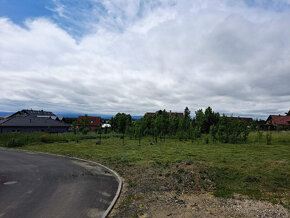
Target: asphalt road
40, 185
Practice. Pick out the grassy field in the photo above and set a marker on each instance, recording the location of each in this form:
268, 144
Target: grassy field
254, 169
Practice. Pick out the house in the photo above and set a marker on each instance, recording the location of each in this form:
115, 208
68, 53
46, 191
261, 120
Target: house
278, 120
33, 121
94, 122
171, 114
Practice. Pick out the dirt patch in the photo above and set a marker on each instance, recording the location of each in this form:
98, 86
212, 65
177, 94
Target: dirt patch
206, 205
181, 190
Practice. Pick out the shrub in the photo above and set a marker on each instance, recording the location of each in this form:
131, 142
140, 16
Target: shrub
15, 143
52, 138
232, 130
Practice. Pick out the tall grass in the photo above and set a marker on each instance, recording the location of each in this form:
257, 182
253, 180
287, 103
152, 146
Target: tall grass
21, 139
277, 137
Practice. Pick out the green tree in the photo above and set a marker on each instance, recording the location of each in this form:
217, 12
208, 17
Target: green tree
74, 127
173, 125
85, 125
211, 118
206, 119
139, 126
120, 123
232, 130
186, 122
164, 124
199, 119
213, 132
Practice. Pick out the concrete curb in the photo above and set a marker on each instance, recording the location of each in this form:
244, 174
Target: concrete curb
109, 209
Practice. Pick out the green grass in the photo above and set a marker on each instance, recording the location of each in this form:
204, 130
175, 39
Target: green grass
254, 169
21, 139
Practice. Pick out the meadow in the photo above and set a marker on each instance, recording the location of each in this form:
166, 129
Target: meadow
253, 169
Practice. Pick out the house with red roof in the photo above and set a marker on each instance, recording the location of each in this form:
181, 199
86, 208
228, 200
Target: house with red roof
94, 122
278, 120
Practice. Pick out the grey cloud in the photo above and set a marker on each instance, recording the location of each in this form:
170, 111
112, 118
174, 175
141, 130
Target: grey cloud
197, 54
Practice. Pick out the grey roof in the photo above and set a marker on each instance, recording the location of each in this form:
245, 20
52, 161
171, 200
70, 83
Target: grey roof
32, 118
2, 121
34, 112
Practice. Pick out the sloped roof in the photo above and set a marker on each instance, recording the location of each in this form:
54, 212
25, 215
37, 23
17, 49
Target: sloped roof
278, 120
94, 121
31, 112
246, 119
169, 113
39, 113
32, 118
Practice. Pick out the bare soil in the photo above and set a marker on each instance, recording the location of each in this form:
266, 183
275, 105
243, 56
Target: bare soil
181, 190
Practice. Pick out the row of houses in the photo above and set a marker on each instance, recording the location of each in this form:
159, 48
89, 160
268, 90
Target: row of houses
43, 121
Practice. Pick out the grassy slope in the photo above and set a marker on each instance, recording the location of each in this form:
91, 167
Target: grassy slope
255, 169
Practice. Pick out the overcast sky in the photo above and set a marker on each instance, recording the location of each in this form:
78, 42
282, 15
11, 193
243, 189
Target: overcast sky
133, 56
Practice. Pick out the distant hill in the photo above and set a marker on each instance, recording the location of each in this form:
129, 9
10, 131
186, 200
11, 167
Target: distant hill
3, 114
103, 116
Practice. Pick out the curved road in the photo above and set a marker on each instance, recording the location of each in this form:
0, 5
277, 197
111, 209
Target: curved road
40, 185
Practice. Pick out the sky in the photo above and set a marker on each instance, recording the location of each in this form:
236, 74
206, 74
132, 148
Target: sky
135, 56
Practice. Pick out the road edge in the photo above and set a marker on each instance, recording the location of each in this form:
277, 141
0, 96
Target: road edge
117, 195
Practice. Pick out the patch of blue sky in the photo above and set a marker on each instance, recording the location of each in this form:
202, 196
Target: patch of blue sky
20, 10
72, 16
78, 17
275, 5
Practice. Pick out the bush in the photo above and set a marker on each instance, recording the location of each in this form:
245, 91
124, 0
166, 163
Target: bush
52, 138
15, 143
232, 131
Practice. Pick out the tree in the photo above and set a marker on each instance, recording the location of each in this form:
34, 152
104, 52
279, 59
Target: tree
186, 122
139, 127
213, 132
211, 118
199, 119
288, 113
74, 127
206, 120
173, 125
164, 124
232, 130
120, 123
157, 124
85, 125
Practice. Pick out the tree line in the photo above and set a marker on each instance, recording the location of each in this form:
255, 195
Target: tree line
162, 124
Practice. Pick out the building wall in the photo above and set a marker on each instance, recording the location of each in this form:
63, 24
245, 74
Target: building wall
34, 129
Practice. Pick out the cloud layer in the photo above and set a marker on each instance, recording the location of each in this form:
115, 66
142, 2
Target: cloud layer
137, 56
